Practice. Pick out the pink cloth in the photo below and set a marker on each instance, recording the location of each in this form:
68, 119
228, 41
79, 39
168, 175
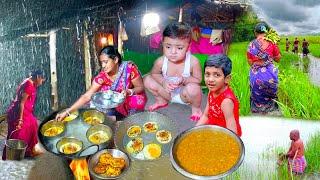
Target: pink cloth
203, 46
135, 102
155, 40
25, 129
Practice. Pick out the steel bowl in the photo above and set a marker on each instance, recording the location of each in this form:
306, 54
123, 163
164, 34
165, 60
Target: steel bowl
93, 114
66, 140
50, 124
73, 115
181, 136
99, 127
107, 99
94, 159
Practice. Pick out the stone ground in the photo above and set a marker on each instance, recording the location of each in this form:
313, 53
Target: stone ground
49, 166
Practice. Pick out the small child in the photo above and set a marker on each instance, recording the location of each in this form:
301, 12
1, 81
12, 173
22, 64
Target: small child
222, 107
296, 160
176, 76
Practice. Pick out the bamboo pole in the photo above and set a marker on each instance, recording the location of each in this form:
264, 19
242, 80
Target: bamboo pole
87, 57
53, 69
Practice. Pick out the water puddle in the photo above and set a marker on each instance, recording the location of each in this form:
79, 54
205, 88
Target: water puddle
314, 70
311, 66
265, 136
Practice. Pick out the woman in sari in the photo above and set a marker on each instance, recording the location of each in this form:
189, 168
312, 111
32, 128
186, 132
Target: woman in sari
22, 124
117, 76
261, 55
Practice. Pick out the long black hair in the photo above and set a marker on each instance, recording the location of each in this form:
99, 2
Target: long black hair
111, 52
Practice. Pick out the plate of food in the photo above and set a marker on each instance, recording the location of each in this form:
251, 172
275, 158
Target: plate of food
109, 164
145, 135
107, 99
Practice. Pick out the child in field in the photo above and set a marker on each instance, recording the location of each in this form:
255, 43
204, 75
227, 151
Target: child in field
222, 107
296, 160
176, 76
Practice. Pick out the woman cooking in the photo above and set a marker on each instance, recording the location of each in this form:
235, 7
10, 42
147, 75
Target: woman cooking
117, 76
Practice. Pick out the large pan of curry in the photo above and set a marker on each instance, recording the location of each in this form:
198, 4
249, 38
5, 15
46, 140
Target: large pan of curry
207, 152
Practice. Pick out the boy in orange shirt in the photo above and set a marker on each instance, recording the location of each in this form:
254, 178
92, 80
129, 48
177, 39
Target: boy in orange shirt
222, 107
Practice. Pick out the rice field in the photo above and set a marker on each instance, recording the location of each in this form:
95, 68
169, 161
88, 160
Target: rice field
281, 172
298, 97
314, 43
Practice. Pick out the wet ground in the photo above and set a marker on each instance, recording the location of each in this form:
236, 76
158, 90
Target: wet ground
311, 66
314, 70
261, 135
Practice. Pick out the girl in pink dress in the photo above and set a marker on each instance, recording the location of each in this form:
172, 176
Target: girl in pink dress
117, 76
22, 124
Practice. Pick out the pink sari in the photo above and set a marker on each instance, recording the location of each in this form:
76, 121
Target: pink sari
25, 129
127, 72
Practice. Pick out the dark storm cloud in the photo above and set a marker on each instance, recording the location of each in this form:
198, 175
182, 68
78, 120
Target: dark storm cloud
290, 16
282, 10
307, 3
307, 27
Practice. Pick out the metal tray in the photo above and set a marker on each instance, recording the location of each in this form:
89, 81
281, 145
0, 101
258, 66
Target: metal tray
76, 128
121, 138
103, 100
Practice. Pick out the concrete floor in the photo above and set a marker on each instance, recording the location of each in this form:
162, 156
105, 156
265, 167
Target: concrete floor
258, 137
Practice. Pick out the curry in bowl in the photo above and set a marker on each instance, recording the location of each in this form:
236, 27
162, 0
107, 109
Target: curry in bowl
52, 128
207, 152
73, 115
98, 134
93, 117
69, 145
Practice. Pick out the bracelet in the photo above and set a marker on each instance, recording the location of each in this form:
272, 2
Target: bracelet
67, 111
131, 92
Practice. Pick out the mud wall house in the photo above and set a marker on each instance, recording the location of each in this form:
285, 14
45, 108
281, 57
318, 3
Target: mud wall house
63, 38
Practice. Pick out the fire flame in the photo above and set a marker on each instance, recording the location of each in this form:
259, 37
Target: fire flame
80, 169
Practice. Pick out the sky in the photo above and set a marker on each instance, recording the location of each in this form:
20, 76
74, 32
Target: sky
290, 16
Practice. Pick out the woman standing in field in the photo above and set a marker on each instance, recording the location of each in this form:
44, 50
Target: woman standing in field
261, 55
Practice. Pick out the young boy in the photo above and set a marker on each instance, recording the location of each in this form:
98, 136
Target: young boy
222, 107
176, 76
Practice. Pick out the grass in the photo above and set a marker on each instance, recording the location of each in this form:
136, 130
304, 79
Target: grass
281, 172
240, 75
312, 154
298, 97
314, 43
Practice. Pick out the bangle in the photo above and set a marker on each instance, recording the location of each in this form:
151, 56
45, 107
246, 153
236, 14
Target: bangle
131, 92
67, 111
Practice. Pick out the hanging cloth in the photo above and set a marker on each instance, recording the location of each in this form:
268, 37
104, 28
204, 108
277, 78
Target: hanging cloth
216, 36
120, 41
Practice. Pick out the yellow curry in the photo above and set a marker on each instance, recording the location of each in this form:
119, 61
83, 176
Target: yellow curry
207, 152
